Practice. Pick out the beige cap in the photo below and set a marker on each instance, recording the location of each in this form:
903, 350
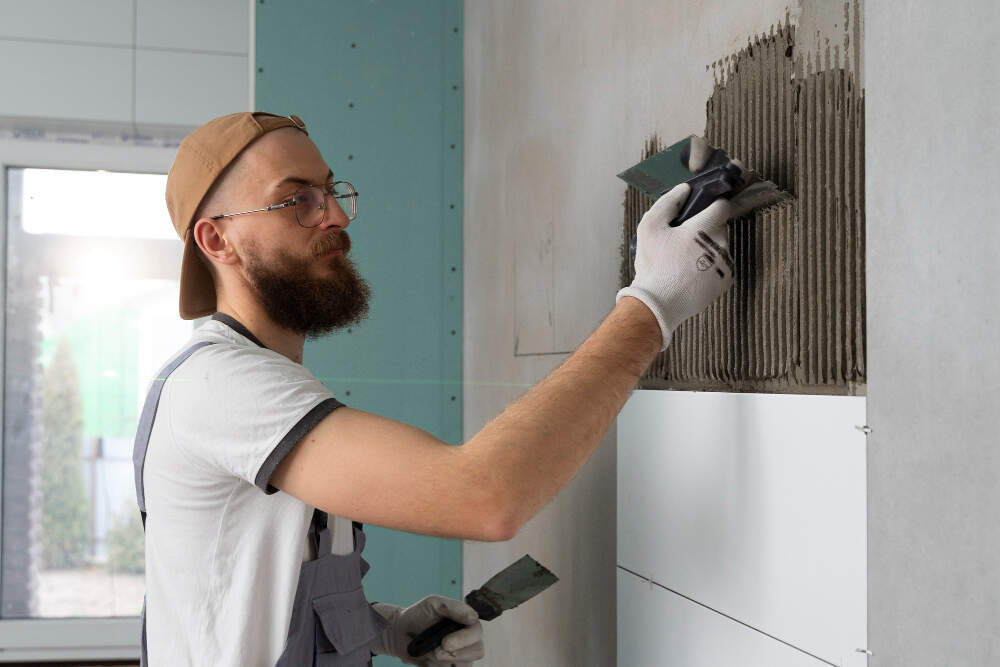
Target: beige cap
201, 157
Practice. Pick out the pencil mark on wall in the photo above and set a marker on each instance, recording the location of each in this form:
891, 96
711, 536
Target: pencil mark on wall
725, 615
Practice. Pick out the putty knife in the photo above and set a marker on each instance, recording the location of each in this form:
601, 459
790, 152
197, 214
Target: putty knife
507, 589
711, 174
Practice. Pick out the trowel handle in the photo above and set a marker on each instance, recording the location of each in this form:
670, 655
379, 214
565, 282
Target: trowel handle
430, 639
706, 187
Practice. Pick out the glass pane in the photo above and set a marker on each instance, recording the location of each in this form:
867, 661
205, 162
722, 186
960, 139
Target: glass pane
88, 321
103, 203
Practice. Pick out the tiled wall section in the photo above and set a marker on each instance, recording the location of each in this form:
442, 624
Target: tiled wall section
138, 62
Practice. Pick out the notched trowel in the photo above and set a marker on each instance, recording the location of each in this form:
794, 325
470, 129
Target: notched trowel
710, 173
507, 589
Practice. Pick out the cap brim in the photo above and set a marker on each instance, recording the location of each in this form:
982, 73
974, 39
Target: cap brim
197, 289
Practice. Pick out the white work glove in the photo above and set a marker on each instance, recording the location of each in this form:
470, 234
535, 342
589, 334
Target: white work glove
681, 270
460, 648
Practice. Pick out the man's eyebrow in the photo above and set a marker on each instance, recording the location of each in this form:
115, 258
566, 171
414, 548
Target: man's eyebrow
297, 179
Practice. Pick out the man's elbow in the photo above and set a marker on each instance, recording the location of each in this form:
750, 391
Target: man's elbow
501, 528
497, 521
490, 501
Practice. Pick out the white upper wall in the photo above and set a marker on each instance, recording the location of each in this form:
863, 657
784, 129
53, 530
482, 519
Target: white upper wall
137, 62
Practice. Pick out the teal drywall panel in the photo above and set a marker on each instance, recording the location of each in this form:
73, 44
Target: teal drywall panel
379, 85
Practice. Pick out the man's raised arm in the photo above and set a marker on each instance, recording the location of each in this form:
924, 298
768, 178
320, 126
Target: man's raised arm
383, 472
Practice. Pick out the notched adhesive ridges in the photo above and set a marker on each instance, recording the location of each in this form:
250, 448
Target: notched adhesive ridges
794, 320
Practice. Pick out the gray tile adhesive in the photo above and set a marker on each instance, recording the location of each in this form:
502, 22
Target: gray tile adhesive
794, 321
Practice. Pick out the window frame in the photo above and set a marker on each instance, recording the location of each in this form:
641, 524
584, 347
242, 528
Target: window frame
96, 638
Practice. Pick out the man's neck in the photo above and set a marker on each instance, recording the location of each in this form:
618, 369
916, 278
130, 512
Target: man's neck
274, 337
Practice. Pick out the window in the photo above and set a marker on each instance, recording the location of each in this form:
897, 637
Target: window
91, 268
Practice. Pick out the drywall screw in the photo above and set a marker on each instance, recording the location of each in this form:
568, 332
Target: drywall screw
865, 428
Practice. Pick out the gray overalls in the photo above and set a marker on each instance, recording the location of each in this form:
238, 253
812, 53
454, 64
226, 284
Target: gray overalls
332, 623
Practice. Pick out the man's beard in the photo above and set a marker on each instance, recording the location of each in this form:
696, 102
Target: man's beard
311, 306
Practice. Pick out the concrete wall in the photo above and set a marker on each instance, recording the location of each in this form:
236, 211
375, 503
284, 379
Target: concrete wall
560, 97
933, 137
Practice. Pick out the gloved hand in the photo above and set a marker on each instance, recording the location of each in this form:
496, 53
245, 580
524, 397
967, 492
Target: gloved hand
680, 270
460, 648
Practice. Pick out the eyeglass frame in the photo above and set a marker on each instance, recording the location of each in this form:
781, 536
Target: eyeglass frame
292, 202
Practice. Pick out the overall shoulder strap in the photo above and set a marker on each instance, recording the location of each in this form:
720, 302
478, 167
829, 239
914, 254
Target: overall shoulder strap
139, 457
319, 523
146, 421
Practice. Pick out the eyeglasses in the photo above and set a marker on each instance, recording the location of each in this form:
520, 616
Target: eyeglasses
309, 203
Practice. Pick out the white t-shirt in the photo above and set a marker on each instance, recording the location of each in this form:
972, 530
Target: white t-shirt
223, 547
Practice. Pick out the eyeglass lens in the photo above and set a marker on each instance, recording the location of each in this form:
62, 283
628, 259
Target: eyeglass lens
310, 202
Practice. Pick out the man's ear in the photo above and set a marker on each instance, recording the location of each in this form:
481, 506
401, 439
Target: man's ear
211, 238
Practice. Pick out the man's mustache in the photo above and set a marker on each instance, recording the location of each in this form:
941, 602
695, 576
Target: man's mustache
334, 241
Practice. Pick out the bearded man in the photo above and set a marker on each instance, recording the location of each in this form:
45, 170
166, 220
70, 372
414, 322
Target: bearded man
253, 478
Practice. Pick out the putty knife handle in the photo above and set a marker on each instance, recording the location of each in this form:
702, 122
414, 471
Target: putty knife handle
430, 639
706, 188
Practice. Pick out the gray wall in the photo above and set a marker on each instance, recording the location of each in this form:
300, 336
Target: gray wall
560, 97
934, 333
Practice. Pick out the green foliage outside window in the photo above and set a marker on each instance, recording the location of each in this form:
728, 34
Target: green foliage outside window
66, 530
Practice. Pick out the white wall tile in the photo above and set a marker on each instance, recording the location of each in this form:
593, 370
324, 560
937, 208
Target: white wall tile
189, 88
753, 504
101, 21
64, 81
657, 628
202, 25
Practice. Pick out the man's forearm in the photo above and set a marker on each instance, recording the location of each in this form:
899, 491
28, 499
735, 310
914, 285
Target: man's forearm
536, 446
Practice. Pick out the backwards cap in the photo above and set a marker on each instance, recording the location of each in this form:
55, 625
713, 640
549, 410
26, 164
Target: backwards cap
201, 157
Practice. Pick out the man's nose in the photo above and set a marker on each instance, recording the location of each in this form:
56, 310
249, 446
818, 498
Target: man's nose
335, 215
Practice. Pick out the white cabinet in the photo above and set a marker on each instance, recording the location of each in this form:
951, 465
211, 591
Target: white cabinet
65, 81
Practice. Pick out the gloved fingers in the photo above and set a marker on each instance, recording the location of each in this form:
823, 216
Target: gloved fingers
469, 653
457, 610
669, 205
708, 229
459, 639
713, 219
699, 154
